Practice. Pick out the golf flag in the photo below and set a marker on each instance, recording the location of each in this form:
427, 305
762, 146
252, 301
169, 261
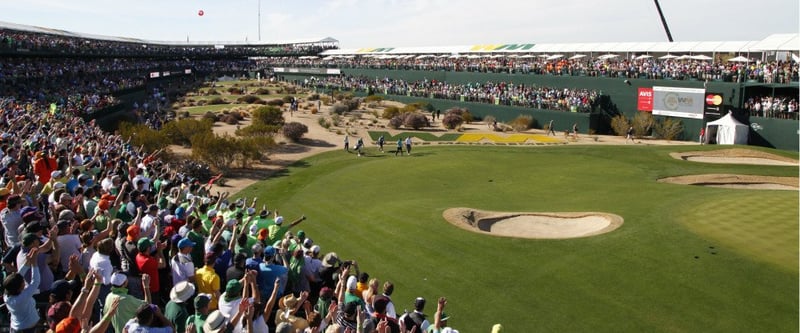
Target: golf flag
53, 108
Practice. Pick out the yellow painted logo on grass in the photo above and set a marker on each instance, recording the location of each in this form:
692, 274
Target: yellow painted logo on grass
513, 138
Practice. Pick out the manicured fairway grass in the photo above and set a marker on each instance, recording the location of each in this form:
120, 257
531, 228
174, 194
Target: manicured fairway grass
386, 212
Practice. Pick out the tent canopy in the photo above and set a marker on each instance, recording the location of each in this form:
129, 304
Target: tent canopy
728, 130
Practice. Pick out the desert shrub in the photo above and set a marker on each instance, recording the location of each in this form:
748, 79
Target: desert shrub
235, 90
212, 91
229, 119
452, 121
643, 123
522, 123
325, 99
340, 108
275, 102
396, 121
466, 117
238, 114
210, 116
180, 132
415, 120
620, 125
413, 107
324, 123
142, 135
248, 99
669, 129
294, 131
313, 97
262, 91
217, 151
390, 112
374, 98
489, 120
201, 102
290, 90
258, 130
336, 120
352, 103
185, 114
287, 99
314, 111
216, 101
268, 115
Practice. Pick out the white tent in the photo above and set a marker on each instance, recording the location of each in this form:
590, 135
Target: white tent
726, 131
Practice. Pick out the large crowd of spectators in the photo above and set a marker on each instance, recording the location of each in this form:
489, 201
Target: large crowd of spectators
100, 236
25, 41
649, 68
498, 93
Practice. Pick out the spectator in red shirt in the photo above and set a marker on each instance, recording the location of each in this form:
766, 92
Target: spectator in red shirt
149, 263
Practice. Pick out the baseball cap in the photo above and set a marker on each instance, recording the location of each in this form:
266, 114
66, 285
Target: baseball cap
133, 232
118, 279
279, 220
27, 239
269, 251
185, 242
144, 244
60, 288
201, 301
263, 234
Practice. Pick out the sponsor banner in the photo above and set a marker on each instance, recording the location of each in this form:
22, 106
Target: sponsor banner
278, 70
187, 71
334, 71
645, 100
678, 102
165, 74
154, 75
713, 103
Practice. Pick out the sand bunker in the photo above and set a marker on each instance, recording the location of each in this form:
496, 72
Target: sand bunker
750, 182
533, 225
735, 156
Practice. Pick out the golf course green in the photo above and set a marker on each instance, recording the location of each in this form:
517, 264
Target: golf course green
686, 259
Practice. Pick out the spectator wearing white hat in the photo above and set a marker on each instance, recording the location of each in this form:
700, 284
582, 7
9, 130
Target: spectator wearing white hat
176, 309
128, 305
279, 229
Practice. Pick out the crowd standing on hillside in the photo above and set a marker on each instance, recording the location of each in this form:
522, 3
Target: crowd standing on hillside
101, 236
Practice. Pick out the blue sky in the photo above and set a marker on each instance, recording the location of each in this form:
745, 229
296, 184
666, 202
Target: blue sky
395, 23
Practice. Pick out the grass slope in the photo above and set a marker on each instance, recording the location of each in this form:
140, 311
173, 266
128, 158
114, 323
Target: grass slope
385, 211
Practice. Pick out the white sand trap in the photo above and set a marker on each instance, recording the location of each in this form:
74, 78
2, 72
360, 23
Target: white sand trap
735, 156
533, 225
746, 182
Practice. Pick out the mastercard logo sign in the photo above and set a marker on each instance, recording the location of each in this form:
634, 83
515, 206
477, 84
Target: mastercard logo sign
714, 99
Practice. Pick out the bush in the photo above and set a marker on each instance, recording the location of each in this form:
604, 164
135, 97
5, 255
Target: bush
489, 120
620, 125
268, 115
239, 115
291, 90
229, 119
669, 129
522, 123
235, 90
287, 99
217, 101
248, 99
396, 121
143, 135
390, 112
180, 132
258, 130
201, 102
313, 97
212, 91
314, 111
352, 104
185, 114
210, 116
415, 120
374, 98
643, 122
262, 91
275, 102
324, 123
452, 121
294, 131
340, 108
466, 117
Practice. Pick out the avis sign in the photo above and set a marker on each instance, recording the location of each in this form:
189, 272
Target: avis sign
645, 100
